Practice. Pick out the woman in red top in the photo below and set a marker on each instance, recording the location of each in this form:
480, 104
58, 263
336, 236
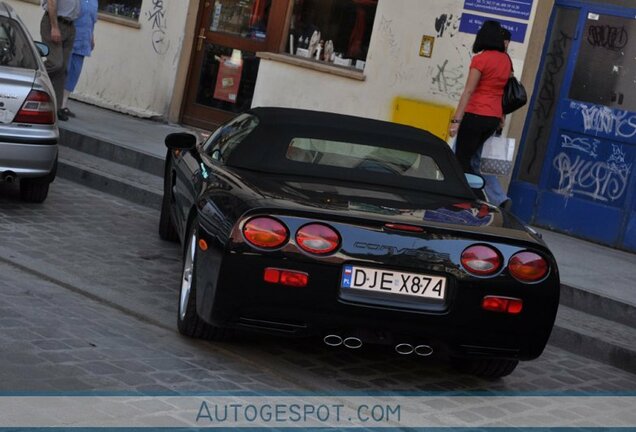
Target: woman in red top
479, 113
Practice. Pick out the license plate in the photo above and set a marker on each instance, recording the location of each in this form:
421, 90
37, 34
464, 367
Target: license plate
394, 282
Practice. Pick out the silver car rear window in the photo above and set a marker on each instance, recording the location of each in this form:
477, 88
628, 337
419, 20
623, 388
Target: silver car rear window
15, 49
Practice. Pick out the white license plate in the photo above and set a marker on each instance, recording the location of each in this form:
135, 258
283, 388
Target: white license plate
386, 281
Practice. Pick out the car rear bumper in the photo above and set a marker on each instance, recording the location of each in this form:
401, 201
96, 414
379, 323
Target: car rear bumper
238, 297
27, 160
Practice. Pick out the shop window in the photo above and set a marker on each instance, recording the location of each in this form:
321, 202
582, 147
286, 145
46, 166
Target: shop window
245, 18
122, 8
344, 24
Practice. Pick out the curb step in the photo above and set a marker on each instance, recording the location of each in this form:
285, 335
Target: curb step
113, 152
110, 177
597, 305
595, 338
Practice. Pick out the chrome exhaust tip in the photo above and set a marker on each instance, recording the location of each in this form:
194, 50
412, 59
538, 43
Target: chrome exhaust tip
353, 343
332, 340
404, 349
423, 350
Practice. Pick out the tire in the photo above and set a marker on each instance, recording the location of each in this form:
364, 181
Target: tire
167, 230
34, 190
188, 321
486, 368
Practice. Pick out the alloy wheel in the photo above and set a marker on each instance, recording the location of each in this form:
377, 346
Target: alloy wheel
186, 279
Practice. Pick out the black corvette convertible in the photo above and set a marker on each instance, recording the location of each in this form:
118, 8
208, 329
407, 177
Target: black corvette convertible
363, 232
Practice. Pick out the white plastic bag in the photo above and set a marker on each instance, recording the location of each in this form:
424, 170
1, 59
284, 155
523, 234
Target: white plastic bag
497, 154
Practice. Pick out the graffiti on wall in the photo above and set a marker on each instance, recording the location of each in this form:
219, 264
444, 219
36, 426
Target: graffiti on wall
608, 37
388, 36
446, 24
157, 16
548, 94
584, 174
448, 81
604, 120
448, 77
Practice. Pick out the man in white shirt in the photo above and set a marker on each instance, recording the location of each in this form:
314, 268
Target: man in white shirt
58, 31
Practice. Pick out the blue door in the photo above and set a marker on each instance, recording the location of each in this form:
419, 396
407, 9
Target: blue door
584, 171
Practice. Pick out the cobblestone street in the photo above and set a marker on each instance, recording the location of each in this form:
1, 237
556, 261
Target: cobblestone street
88, 302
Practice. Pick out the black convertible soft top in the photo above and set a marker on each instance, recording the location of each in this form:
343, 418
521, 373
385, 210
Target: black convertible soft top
265, 148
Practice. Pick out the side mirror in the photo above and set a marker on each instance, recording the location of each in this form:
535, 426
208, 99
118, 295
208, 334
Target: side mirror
475, 181
43, 49
181, 141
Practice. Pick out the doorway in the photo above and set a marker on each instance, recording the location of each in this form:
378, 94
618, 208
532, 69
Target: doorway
224, 64
576, 173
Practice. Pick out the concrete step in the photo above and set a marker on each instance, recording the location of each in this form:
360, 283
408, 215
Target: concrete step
596, 338
113, 152
110, 177
598, 305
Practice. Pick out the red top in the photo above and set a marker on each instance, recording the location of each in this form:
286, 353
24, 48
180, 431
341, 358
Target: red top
495, 68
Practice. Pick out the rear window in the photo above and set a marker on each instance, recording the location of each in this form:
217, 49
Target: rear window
15, 49
364, 157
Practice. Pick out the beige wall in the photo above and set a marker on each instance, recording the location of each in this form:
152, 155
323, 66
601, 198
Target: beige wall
394, 67
128, 72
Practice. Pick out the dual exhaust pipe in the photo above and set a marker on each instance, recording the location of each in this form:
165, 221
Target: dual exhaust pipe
408, 349
351, 342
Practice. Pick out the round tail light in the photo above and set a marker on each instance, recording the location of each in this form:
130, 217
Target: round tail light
265, 232
528, 267
318, 239
481, 260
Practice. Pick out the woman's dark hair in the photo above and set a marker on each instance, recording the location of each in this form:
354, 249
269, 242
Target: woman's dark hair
489, 37
507, 36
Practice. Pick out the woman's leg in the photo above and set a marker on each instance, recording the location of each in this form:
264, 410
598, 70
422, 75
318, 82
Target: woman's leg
74, 71
493, 190
474, 130
468, 141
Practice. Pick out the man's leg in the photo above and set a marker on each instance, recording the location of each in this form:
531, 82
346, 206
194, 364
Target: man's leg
55, 60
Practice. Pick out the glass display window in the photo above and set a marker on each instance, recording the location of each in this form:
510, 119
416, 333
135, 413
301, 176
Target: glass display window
344, 28
244, 18
123, 8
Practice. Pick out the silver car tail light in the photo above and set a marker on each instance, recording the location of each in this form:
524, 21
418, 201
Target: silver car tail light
38, 108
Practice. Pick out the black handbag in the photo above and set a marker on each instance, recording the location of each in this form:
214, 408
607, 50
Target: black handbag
514, 96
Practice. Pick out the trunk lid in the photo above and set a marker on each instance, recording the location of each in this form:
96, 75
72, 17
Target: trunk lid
353, 202
15, 85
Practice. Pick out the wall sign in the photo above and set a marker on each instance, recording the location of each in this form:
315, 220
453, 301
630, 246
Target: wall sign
472, 23
512, 8
426, 47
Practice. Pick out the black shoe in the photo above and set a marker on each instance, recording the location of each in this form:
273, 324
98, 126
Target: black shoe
506, 205
68, 112
61, 115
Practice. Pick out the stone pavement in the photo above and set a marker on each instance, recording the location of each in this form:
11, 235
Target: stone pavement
88, 302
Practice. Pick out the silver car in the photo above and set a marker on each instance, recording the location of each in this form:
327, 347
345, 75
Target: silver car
28, 123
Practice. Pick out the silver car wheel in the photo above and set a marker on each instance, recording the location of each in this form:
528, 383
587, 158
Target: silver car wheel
188, 274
